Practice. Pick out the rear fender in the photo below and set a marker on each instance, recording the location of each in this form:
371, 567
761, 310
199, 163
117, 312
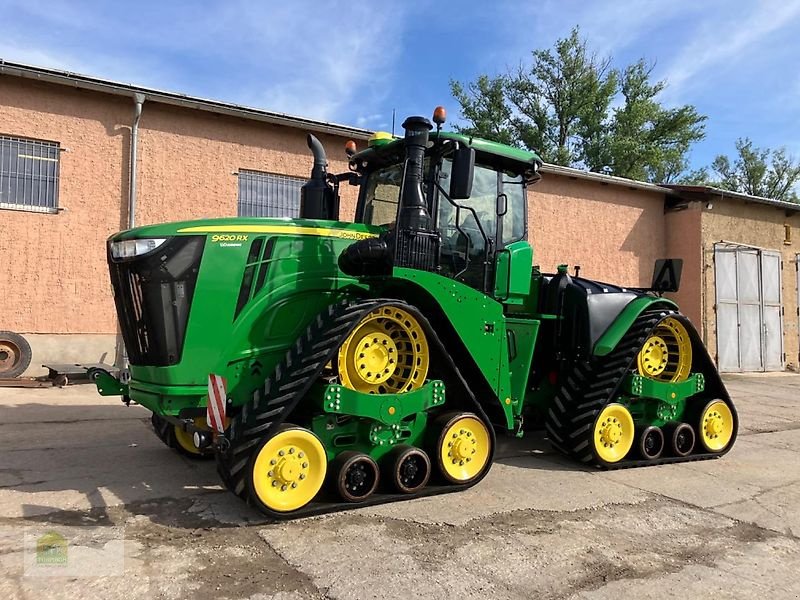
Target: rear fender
623, 322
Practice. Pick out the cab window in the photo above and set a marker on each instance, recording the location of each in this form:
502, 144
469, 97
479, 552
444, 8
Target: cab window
514, 219
382, 195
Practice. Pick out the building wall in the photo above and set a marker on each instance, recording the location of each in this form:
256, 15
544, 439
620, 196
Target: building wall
683, 238
761, 226
614, 233
54, 272
188, 162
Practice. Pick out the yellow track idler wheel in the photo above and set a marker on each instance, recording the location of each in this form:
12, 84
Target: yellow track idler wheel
716, 426
681, 439
407, 468
184, 441
667, 353
355, 475
288, 469
613, 433
463, 448
387, 353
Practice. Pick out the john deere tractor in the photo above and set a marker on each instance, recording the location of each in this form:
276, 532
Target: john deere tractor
378, 360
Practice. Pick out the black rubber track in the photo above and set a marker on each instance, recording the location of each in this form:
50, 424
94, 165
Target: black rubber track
291, 380
588, 385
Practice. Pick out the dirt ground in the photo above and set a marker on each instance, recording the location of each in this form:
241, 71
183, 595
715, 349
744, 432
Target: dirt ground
140, 521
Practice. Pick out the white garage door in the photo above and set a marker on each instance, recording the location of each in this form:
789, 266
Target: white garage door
749, 313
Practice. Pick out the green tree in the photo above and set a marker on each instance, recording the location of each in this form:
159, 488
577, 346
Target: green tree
758, 172
647, 141
560, 98
561, 105
483, 105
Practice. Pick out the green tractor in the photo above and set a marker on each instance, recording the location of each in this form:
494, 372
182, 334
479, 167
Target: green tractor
373, 361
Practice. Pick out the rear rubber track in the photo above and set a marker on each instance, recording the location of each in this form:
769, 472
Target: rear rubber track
272, 405
588, 385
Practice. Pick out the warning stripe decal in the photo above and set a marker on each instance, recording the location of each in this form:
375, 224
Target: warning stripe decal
215, 414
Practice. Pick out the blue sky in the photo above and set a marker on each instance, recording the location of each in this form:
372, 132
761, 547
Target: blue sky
353, 62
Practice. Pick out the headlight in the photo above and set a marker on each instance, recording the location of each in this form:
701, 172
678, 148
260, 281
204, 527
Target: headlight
131, 248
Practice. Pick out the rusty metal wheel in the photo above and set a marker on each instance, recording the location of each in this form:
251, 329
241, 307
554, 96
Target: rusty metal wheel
15, 354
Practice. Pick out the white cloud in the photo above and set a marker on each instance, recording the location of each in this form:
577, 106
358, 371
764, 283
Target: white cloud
721, 41
298, 58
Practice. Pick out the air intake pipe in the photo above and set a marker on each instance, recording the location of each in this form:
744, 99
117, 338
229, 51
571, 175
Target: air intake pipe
413, 208
318, 198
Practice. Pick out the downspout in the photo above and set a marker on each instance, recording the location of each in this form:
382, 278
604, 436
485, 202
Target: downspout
138, 100
121, 358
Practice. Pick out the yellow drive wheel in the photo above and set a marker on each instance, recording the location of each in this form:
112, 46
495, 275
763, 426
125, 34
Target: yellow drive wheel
387, 353
288, 469
463, 447
716, 426
185, 440
667, 353
613, 433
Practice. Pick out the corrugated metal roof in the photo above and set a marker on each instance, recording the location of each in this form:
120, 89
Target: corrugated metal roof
96, 84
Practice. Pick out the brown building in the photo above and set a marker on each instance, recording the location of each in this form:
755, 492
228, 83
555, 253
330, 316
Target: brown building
66, 184
740, 278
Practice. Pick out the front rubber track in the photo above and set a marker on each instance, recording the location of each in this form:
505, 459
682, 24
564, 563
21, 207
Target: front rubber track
588, 385
272, 404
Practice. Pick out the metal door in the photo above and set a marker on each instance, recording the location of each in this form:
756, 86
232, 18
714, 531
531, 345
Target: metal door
749, 312
750, 324
727, 308
772, 312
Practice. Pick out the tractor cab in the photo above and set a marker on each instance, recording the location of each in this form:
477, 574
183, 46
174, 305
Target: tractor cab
471, 192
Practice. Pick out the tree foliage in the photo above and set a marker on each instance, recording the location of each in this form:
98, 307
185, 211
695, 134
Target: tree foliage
757, 172
574, 109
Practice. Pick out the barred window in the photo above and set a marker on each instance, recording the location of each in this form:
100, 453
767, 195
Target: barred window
28, 174
267, 195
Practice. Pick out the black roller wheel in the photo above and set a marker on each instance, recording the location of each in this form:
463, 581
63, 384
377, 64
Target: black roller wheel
682, 439
650, 442
354, 475
15, 354
408, 469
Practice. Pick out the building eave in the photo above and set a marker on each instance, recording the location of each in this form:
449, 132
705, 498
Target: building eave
105, 86
704, 190
603, 179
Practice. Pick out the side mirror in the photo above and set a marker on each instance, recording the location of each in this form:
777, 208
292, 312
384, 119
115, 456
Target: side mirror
462, 172
667, 275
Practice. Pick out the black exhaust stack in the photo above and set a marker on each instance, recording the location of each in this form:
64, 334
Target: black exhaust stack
416, 243
413, 208
318, 197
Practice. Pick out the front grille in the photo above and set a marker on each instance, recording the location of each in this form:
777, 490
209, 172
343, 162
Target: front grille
153, 294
